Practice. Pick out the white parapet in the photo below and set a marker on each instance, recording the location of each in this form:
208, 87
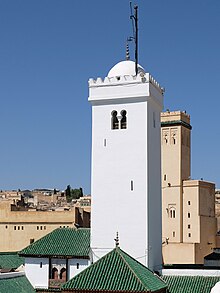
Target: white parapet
190, 272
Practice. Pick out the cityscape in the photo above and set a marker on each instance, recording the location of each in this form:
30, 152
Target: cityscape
147, 223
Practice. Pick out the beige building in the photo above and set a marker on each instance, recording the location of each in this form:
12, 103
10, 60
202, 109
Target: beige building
20, 228
189, 225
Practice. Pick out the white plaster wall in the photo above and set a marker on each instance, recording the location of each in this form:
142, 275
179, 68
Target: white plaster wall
72, 266
129, 154
154, 205
37, 276
216, 288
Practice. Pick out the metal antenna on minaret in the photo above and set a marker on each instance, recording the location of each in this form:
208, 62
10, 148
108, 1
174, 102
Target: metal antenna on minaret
134, 18
116, 240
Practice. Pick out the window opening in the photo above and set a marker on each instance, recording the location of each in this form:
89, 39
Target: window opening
41, 264
31, 240
189, 234
189, 202
165, 136
154, 121
174, 234
14, 227
18, 227
165, 177
173, 136
115, 123
105, 142
189, 226
77, 266
63, 274
189, 215
55, 273
123, 119
132, 185
172, 213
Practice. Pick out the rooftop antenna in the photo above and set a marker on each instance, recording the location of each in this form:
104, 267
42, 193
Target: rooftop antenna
134, 18
116, 240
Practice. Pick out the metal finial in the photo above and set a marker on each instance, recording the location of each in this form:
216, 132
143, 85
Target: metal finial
127, 52
116, 240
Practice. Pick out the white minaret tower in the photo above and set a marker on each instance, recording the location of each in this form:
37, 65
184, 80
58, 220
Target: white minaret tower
126, 163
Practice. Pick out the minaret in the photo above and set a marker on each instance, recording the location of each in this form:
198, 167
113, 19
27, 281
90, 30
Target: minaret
175, 141
126, 163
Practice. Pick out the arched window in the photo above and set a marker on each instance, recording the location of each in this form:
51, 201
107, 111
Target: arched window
123, 119
63, 274
172, 213
115, 123
165, 136
55, 273
174, 136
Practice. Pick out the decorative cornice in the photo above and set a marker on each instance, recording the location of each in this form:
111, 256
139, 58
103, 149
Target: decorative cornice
176, 123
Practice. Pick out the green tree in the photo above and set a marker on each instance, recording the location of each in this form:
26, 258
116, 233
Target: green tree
73, 193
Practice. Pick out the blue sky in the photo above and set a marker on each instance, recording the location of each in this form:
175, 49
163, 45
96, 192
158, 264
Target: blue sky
49, 50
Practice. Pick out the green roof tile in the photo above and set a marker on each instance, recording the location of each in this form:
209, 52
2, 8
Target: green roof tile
190, 284
19, 284
62, 242
10, 260
116, 271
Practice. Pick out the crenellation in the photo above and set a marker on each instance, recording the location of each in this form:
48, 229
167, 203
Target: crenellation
118, 79
99, 80
106, 79
140, 78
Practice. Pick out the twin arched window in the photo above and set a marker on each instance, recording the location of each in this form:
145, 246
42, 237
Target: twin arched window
119, 121
172, 212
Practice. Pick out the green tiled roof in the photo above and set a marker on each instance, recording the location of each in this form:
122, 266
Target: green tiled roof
18, 284
10, 260
62, 242
190, 284
116, 271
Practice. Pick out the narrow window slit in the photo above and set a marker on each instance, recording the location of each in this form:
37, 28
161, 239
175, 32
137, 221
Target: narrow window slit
154, 120
132, 185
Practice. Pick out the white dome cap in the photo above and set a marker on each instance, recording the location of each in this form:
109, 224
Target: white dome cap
125, 68
216, 288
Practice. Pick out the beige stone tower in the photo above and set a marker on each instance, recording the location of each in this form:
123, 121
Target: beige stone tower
188, 206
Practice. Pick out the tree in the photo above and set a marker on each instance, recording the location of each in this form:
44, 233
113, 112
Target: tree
68, 193
73, 193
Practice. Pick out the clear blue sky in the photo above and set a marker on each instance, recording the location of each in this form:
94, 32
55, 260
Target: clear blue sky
49, 50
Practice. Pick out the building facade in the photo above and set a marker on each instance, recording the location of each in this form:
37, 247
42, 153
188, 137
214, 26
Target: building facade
57, 257
188, 206
20, 228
